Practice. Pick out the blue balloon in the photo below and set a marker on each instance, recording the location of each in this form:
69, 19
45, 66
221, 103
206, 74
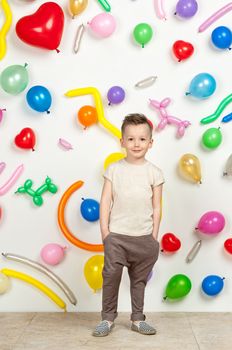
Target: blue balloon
212, 284
202, 86
39, 98
222, 37
90, 209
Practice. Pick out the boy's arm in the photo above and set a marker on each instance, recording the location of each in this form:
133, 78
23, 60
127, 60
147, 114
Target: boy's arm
156, 202
105, 206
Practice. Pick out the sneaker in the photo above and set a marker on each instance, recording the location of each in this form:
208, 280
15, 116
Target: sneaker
103, 329
143, 328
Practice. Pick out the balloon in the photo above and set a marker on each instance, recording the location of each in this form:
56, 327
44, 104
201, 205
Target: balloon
182, 50
44, 28
5, 28
227, 118
218, 14
105, 5
193, 252
170, 243
25, 139
178, 286
190, 168
37, 195
39, 98
186, 8
14, 79
67, 291
115, 95
202, 86
146, 82
228, 170
76, 7
228, 245
1, 113
211, 118
212, 138
222, 37
90, 209
211, 222
99, 107
64, 229
168, 119
112, 158
4, 283
87, 116
65, 144
159, 9
52, 253
79, 34
143, 33
103, 24
12, 180
26, 278
2, 166
0, 213
212, 284
93, 271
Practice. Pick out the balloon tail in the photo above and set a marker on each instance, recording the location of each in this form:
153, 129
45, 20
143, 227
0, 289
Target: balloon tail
187, 93
57, 50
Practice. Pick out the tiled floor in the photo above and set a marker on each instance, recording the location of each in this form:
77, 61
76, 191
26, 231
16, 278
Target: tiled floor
69, 331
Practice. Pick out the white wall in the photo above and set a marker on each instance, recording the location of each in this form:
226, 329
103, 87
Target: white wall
25, 229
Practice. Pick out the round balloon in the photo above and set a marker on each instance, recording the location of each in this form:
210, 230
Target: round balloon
103, 24
87, 115
212, 284
212, 138
14, 79
39, 98
178, 286
93, 271
211, 222
222, 37
115, 95
202, 86
90, 209
52, 253
186, 8
190, 168
143, 33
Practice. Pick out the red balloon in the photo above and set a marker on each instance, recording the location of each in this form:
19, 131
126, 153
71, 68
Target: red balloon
170, 243
25, 139
228, 245
43, 28
182, 49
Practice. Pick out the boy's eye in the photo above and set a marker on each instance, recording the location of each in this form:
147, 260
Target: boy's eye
130, 139
143, 139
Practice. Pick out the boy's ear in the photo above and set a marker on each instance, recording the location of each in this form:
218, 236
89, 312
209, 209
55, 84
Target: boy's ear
121, 142
151, 142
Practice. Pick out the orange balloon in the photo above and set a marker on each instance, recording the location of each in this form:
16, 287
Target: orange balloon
87, 115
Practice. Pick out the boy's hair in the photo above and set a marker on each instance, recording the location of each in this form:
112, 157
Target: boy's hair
136, 119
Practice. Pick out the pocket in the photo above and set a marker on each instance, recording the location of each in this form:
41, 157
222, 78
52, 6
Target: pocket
106, 238
154, 240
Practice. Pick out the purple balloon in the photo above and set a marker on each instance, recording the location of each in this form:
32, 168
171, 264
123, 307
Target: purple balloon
211, 222
115, 95
186, 8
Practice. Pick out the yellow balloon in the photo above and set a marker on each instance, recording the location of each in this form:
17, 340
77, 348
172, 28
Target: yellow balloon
76, 7
6, 26
112, 158
4, 283
190, 168
93, 271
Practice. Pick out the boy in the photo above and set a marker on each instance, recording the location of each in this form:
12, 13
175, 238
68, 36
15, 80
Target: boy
130, 210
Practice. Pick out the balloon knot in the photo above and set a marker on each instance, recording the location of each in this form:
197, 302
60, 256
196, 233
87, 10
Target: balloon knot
175, 13
179, 60
33, 150
57, 50
187, 93
83, 199
48, 112
25, 65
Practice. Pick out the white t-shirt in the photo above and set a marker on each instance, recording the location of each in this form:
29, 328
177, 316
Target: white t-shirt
132, 185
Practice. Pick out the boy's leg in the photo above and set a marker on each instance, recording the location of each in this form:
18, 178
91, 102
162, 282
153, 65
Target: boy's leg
114, 261
141, 265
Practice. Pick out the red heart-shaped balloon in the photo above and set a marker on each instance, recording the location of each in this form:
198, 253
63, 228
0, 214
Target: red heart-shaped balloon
170, 243
25, 139
182, 49
43, 28
228, 245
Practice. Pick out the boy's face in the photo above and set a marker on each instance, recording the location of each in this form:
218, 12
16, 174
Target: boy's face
136, 140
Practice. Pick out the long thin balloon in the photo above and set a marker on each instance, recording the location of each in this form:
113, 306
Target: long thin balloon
11, 181
227, 118
77, 42
69, 294
6, 26
26, 278
211, 118
159, 10
193, 252
106, 6
2, 166
218, 14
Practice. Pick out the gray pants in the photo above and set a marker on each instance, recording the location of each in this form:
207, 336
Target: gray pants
138, 254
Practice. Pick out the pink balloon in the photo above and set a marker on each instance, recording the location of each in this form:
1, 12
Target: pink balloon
159, 9
103, 24
52, 253
211, 222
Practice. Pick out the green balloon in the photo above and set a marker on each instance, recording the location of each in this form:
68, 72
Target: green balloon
14, 79
212, 138
143, 33
178, 286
